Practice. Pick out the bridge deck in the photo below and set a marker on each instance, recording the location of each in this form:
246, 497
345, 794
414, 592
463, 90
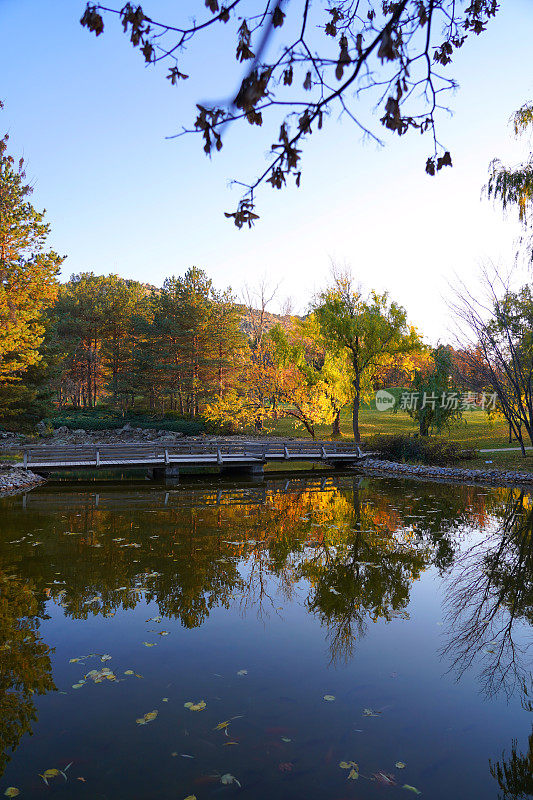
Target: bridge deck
223, 454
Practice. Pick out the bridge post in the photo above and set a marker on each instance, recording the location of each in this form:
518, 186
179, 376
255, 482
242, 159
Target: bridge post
256, 470
25, 459
171, 473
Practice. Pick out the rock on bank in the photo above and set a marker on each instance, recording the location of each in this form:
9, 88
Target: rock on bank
14, 480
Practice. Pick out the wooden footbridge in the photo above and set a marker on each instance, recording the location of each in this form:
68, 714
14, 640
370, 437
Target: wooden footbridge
165, 461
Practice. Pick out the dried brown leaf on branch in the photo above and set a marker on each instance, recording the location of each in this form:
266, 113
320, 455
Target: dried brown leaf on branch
303, 61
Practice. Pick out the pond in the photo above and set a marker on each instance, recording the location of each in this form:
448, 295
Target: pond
338, 638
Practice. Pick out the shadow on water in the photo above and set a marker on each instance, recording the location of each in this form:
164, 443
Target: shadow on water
346, 552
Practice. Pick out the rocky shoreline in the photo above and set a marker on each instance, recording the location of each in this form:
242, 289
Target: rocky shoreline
14, 480
424, 472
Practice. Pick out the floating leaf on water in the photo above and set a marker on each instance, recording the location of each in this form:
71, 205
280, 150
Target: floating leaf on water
221, 725
285, 739
352, 766
164, 700
129, 672
226, 744
191, 797
148, 717
185, 755
12, 791
150, 644
329, 698
242, 672
78, 685
81, 779
195, 706
227, 779
106, 657
74, 660
411, 788
367, 712
163, 633
53, 773
399, 765
174, 754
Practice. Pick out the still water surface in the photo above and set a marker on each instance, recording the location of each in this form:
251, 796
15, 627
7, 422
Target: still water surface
351, 639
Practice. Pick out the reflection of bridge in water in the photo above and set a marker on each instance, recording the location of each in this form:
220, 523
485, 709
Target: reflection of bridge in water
182, 496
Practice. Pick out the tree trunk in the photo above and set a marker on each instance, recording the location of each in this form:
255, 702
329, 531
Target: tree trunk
357, 395
336, 426
424, 425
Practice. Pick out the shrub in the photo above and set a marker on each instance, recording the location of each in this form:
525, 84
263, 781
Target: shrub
107, 420
427, 450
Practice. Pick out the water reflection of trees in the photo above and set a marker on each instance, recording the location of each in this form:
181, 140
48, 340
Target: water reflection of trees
514, 773
25, 668
490, 601
349, 550
356, 548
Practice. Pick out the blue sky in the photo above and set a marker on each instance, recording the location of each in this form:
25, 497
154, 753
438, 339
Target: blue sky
91, 122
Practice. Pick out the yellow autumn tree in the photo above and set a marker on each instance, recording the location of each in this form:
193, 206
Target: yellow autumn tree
28, 272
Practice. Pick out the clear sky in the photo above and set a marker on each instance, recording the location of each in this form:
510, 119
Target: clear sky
91, 122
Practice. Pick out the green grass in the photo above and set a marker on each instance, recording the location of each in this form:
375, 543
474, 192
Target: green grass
474, 431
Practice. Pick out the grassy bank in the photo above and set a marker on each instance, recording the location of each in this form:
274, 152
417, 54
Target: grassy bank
474, 431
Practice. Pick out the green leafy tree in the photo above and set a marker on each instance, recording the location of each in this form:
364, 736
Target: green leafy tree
432, 411
368, 330
312, 382
513, 186
27, 272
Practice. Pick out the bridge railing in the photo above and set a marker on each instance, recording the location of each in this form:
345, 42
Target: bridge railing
164, 452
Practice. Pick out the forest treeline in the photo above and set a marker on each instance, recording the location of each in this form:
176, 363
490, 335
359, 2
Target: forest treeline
195, 351
189, 349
